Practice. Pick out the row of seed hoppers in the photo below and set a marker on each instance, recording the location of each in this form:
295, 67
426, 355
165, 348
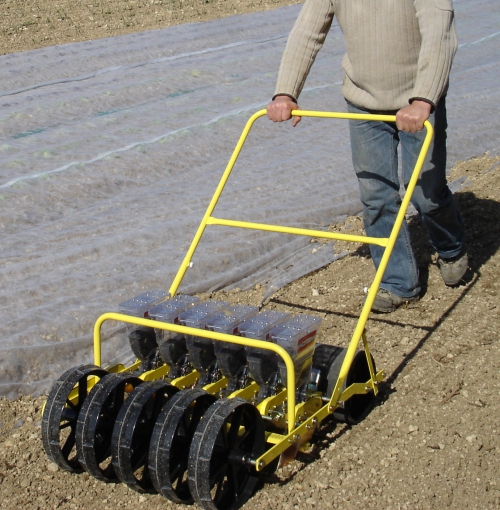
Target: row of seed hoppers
194, 418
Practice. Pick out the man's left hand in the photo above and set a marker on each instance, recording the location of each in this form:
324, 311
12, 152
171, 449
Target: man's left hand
411, 118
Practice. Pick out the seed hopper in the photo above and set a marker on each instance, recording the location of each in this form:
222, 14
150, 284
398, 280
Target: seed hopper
219, 394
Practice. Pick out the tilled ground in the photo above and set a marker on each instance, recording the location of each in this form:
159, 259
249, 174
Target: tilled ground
25, 25
432, 441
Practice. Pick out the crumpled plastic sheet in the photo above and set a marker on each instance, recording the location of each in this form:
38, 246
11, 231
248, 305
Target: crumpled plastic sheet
111, 150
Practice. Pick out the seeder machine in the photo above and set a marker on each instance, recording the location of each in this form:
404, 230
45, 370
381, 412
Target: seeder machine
219, 393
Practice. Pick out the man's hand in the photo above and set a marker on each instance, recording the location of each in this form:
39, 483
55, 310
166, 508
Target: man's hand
281, 108
411, 118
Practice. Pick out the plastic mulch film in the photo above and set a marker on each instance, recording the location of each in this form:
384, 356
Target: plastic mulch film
110, 151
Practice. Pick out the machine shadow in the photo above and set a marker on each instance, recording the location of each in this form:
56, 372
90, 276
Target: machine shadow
482, 233
482, 225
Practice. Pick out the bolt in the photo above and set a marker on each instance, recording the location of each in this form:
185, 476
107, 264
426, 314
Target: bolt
261, 464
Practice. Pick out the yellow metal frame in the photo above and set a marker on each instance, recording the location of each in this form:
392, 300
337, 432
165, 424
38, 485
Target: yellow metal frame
305, 417
211, 335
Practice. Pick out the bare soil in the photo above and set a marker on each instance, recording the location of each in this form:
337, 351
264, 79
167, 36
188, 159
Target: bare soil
432, 440
29, 24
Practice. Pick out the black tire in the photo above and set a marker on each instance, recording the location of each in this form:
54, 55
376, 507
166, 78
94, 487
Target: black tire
220, 474
94, 428
324, 356
356, 408
60, 416
171, 440
132, 433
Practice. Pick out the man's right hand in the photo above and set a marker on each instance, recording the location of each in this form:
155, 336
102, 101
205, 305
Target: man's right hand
280, 109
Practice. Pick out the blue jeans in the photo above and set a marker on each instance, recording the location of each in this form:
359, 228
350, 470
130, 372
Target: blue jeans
374, 148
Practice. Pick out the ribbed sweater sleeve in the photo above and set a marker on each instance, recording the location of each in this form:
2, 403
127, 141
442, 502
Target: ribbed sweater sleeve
304, 42
396, 50
437, 49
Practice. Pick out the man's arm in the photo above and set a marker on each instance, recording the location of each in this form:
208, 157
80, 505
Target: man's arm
304, 42
438, 47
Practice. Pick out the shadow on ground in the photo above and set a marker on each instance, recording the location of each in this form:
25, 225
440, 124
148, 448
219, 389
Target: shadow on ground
482, 223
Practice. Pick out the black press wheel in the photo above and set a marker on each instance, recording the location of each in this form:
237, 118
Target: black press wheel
356, 408
220, 473
60, 415
171, 440
323, 358
132, 433
96, 420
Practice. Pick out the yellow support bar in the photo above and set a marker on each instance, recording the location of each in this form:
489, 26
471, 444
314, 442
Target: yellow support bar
271, 403
379, 241
208, 219
157, 373
371, 368
283, 442
372, 292
211, 335
247, 392
186, 381
217, 386
211, 206
388, 243
361, 388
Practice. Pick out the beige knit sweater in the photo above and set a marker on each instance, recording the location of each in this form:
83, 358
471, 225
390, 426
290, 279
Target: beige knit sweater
396, 50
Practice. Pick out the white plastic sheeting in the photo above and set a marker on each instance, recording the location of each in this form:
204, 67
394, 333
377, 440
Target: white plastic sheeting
110, 151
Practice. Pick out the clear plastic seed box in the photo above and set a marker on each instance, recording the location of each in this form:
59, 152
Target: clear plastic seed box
169, 311
172, 346
259, 326
230, 357
262, 364
198, 315
297, 336
201, 350
229, 320
140, 305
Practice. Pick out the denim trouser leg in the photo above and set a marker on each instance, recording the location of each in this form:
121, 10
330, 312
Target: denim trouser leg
375, 158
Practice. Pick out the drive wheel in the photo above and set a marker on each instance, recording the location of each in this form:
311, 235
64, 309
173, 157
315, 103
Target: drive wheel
324, 356
60, 415
132, 433
356, 408
96, 420
220, 472
171, 440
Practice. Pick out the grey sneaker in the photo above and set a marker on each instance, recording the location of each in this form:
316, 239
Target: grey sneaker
386, 302
453, 270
